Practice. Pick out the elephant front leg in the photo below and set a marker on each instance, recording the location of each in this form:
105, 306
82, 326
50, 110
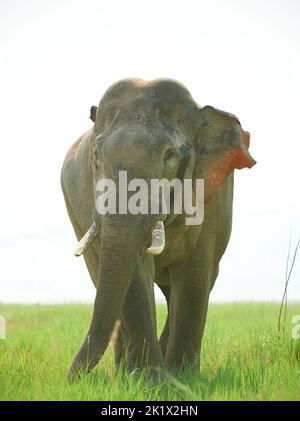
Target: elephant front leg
190, 289
138, 321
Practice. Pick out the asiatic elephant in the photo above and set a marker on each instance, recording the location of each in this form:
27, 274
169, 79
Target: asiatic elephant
152, 130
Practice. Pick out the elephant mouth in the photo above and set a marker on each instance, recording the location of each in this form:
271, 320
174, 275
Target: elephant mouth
176, 224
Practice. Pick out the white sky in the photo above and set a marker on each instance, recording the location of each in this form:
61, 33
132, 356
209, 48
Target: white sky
57, 59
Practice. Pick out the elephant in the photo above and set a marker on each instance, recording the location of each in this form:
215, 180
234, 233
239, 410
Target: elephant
153, 130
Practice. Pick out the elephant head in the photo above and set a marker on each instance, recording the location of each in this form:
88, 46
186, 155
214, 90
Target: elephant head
152, 130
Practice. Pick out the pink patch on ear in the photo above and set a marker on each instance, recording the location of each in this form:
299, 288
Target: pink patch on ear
216, 177
236, 158
243, 159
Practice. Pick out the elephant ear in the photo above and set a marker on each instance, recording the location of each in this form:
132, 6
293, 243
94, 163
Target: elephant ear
222, 147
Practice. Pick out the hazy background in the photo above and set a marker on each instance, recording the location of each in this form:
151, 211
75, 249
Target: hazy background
58, 58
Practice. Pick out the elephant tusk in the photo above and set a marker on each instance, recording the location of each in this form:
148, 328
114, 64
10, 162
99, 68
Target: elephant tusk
158, 239
86, 240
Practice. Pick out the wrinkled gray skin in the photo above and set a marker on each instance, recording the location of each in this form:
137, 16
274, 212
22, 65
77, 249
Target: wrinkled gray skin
153, 130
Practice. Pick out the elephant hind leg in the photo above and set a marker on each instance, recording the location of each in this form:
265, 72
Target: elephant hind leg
164, 337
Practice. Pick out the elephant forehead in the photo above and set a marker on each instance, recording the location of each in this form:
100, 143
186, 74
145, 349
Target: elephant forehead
146, 101
133, 87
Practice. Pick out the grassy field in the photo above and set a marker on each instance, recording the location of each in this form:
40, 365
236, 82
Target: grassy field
242, 357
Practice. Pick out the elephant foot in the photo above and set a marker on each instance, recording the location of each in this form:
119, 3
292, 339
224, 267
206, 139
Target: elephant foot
174, 386
165, 380
177, 365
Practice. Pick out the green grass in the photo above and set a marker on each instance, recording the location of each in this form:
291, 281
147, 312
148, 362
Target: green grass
242, 357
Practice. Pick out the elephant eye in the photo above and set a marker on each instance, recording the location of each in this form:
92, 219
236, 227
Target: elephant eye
170, 154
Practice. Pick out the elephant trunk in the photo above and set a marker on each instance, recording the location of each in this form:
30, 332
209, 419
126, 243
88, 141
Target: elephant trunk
121, 244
